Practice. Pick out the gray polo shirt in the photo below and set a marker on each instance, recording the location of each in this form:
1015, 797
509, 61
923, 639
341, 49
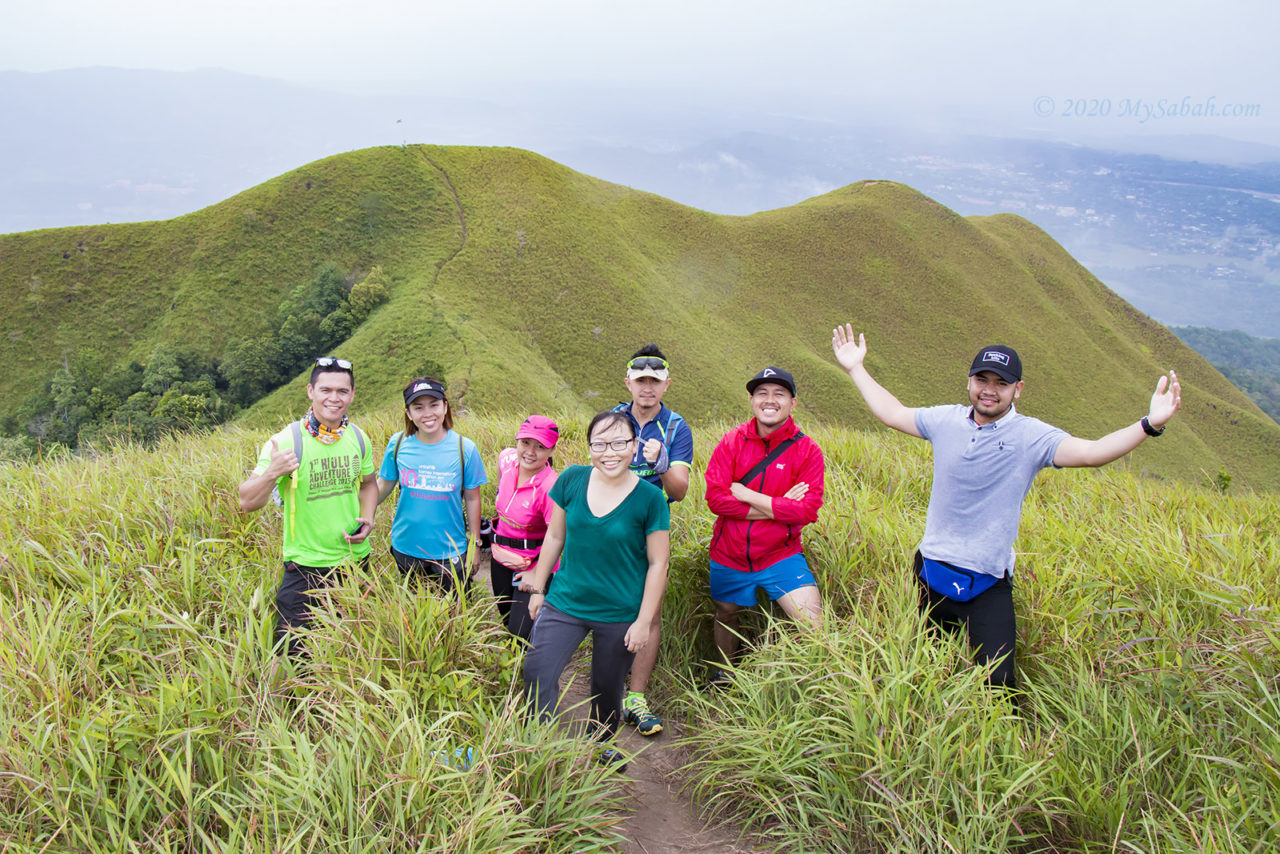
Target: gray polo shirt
981, 474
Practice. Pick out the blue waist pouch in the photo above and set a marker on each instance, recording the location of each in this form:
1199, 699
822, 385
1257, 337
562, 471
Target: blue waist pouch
953, 581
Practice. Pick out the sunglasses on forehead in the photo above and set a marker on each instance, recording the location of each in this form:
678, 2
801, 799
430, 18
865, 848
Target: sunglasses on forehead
330, 362
643, 362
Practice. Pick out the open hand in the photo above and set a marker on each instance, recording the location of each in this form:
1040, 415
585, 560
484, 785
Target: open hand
1165, 401
849, 351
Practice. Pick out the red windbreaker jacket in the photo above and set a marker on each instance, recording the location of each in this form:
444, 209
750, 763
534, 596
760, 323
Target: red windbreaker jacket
750, 545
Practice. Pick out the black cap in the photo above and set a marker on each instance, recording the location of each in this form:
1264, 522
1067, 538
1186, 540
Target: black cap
1000, 360
425, 387
772, 375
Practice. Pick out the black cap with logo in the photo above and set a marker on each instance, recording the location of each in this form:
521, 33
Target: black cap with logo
772, 375
1000, 360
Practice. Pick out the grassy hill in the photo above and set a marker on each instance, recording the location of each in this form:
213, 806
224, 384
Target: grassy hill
532, 284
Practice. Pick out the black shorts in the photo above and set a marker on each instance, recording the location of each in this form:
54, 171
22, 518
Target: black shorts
448, 575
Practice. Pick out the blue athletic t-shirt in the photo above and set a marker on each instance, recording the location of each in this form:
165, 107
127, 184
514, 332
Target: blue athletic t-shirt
429, 521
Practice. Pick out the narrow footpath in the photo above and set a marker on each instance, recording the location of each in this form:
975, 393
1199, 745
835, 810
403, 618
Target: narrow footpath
662, 819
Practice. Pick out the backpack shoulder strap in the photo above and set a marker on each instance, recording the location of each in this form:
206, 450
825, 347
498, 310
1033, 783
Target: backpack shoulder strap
395, 454
673, 426
462, 484
295, 431
359, 438
462, 488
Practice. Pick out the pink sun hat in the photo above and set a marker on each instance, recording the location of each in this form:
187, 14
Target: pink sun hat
541, 429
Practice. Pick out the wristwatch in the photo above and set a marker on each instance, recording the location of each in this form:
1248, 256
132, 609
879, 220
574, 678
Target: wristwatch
1148, 429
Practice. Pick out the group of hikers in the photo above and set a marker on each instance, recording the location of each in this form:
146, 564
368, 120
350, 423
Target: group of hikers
586, 550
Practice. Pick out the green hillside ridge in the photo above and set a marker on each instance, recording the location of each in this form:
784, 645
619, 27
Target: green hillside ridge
532, 283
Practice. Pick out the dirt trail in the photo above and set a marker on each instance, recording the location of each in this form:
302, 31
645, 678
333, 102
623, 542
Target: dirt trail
662, 819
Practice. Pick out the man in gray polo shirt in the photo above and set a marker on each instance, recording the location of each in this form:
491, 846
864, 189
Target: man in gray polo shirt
985, 456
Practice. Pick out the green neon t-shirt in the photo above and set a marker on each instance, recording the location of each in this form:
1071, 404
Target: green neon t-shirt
322, 498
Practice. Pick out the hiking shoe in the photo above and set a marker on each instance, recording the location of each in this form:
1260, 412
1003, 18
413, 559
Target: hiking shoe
635, 711
615, 759
721, 681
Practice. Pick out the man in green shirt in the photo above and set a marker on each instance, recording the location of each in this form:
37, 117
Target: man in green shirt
321, 470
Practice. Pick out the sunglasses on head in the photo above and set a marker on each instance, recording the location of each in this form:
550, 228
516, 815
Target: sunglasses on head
330, 361
643, 362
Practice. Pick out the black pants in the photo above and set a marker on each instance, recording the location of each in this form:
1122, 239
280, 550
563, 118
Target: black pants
556, 636
987, 618
295, 598
448, 575
513, 603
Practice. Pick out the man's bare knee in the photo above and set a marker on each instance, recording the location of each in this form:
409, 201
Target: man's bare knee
727, 613
804, 606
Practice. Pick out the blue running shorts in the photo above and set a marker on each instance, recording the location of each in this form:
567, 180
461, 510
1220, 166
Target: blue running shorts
739, 588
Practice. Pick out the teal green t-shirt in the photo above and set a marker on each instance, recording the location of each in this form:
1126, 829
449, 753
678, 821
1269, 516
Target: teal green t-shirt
322, 502
606, 558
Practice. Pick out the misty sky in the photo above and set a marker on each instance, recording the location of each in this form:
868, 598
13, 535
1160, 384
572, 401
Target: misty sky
1014, 66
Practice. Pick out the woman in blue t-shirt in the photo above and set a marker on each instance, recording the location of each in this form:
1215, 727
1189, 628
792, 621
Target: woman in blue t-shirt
611, 532
439, 474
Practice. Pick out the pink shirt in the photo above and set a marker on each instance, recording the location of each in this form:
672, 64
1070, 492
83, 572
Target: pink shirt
523, 511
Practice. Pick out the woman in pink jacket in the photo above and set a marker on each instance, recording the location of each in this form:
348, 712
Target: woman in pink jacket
525, 478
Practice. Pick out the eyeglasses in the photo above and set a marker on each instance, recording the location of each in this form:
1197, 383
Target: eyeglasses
616, 445
643, 362
330, 361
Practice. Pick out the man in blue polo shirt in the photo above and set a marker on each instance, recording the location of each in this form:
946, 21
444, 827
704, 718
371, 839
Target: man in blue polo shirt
664, 457
985, 456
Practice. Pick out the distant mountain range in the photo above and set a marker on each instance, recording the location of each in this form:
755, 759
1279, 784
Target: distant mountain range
1191, 243
530, 284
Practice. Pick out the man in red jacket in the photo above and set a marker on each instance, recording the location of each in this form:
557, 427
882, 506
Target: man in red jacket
764, 483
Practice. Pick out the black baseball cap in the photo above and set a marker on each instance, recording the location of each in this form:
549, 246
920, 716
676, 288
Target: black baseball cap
1000, 360
424, 387
772, 375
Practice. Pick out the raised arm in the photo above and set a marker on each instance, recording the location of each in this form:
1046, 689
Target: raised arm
256, 489
850, 353
1075, 453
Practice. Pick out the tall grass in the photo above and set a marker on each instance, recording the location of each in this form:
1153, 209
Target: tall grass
142, 709
1148, 654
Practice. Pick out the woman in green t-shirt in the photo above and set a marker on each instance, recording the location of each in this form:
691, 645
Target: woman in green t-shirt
611, 532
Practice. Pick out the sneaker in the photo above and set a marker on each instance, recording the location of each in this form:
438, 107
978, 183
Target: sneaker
721, 681
613, 758
635, 711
